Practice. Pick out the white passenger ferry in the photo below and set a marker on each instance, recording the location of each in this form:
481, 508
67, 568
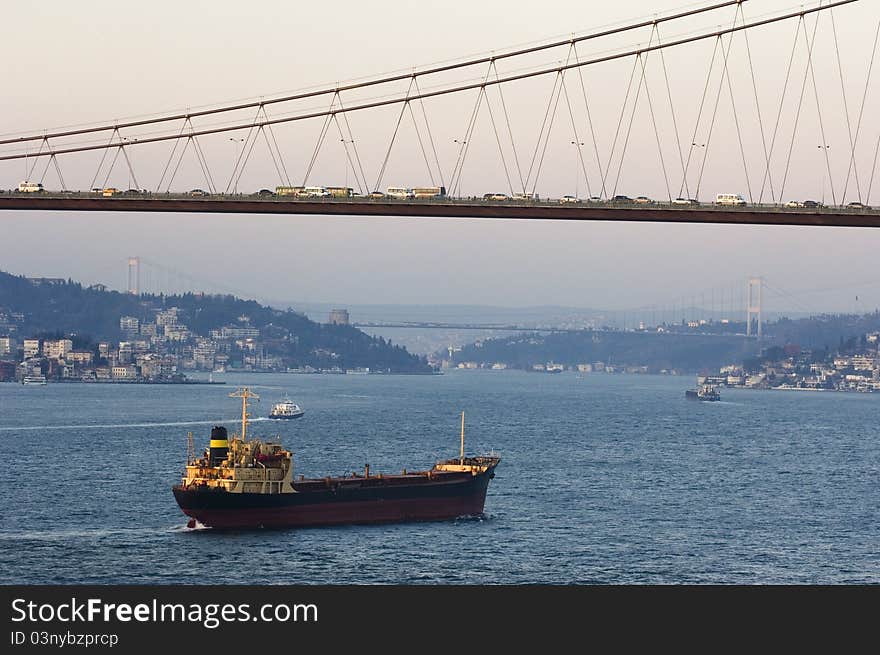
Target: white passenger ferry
286, 409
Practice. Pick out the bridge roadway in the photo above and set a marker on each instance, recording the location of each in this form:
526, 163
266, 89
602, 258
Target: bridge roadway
464, 326
525, 329
450, 208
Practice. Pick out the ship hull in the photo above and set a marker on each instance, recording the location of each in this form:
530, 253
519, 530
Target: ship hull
339, 501
693, 395
285, 417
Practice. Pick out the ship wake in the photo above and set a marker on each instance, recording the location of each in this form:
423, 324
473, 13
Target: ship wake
115, 426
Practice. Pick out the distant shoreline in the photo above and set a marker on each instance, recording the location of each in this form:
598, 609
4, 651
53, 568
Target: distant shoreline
74, 381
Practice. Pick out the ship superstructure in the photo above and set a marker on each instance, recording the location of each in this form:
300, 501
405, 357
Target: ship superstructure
705, 392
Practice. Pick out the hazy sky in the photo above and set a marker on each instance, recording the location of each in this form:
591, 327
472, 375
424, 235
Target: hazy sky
93, 61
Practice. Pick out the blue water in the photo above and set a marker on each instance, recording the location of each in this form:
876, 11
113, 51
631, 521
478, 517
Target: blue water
603, 479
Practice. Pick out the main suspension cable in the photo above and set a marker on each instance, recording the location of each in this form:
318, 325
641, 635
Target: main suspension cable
467, 87
382, 80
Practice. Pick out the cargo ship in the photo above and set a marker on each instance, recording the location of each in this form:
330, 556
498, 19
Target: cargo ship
242, 483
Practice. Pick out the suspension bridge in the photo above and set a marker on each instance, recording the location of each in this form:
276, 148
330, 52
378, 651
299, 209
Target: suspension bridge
733, 308
738, 307
728, 136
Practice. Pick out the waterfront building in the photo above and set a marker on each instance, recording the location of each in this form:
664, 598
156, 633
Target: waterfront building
148, 330
233, 332
864, 362
129, 326
176, 332
57, 348
7, 345
124, 353
79, 357
167, 317
203, 354
31, 347
123, 372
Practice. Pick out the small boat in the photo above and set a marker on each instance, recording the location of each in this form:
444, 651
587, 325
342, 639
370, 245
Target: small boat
703, 392
34, 379
286, 409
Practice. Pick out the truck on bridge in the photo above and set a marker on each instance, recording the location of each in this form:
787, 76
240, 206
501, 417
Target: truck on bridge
30, 187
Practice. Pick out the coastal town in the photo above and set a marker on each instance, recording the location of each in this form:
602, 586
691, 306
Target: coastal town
155, 351
57, 330
163, 348
160, 350
855, 367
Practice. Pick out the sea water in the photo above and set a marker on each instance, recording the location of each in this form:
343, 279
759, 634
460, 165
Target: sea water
603, 479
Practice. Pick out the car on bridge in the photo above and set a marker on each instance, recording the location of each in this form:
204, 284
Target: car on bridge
496, 196
195, 193
685, 201
595, 199
375, 195
791, 204
643, 200
569, 199
813, 204
729, 199
400, 193
621, 198
857, 205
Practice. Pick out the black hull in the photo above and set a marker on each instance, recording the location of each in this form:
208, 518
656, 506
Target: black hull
693, 395
336, 501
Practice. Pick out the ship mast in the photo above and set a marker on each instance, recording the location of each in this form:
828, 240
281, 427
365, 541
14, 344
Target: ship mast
244, 393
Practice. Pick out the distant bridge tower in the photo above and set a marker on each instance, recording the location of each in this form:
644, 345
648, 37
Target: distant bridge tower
753, 304
134, 276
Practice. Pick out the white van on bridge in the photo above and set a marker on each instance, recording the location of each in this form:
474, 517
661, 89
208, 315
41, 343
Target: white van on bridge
30, 187
729, 199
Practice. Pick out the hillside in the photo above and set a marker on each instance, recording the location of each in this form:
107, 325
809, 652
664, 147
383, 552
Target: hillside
692, 351
51, 307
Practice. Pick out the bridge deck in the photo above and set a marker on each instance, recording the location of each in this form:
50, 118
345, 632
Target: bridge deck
448, 208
